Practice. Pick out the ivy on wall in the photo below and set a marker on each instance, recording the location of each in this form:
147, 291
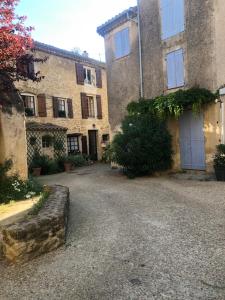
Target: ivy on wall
174, 104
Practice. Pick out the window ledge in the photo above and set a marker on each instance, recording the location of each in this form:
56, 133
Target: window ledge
122, 57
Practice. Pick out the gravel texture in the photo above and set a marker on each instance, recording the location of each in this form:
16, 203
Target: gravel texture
148, 238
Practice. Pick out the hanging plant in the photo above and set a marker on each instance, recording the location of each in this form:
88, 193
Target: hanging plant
174, 104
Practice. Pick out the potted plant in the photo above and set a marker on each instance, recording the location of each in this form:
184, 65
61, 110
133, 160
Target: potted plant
36, 164
67, 164
219, 162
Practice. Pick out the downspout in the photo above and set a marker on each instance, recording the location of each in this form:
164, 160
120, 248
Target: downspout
140, 52
222, 107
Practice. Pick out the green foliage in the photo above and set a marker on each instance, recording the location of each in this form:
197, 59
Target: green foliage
48, 165
107, 155
173, 104
77, 160
219, 160
37, 207
33, 140
12, 187
144, 146
58, 145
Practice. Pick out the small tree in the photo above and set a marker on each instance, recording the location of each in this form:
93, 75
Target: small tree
15, 42
144, 146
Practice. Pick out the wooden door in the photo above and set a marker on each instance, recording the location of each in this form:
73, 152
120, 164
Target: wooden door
93, 152
192, 142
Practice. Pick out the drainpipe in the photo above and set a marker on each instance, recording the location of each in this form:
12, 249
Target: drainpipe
222, 106
140, 52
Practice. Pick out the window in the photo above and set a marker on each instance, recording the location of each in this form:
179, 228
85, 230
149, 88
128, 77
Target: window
105, 138
122, 43
175, 69
25, 66
47, 141
72, 144
89, 78
29, 105
172, 17
91, 107
61, 108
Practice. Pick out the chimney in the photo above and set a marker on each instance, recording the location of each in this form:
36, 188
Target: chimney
85, 54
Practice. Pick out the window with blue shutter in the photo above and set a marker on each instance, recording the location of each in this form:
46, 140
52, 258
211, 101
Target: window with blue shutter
172, 17
175, 69
122, 43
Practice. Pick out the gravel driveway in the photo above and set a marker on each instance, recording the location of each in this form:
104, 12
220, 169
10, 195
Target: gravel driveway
148, 238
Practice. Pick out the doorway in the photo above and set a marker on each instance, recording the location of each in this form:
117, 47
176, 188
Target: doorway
192, 141
93, 152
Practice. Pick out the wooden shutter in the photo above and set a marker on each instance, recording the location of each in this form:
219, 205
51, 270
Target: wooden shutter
175, 69
98, 78
126, 41
80, 73
179, 18
70, 108
99, 106
179, 66
167, 18
42, 111
31, 73
118, 45
84, 106
55, 107
171, 70
84, 145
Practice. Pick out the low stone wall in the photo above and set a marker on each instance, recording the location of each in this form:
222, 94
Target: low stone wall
45, 232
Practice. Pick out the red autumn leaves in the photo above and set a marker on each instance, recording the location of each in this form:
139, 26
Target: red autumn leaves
15, 37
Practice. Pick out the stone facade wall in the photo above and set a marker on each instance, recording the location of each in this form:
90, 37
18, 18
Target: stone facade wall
40, 234
13, 143
204, 48
60, 81
122, 75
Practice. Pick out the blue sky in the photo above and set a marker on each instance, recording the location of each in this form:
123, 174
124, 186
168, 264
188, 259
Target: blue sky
71, 23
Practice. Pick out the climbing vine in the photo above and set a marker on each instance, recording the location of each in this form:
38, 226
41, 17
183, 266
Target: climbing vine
173, 104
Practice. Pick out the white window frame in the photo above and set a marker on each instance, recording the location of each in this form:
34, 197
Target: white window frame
35, 103
93, 76
94, 107
66, 106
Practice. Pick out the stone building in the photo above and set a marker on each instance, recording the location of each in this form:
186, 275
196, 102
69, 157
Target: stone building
12, 131
68, 110
179, 44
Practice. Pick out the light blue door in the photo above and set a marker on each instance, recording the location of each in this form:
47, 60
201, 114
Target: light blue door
192, 142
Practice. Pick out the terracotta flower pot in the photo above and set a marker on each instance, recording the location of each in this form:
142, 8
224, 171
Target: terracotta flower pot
36, 171
67, 166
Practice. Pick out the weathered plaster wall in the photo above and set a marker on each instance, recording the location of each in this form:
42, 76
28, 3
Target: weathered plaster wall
219, 12
122, 75
13, 140
60, 81
198, 42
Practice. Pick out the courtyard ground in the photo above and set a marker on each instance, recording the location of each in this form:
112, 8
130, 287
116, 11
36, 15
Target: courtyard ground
148, 238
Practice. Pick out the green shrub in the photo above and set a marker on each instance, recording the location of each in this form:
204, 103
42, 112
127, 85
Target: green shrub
107, 155
77, 160
144, 146
14, 188
37, 207
48, 165
219, 160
